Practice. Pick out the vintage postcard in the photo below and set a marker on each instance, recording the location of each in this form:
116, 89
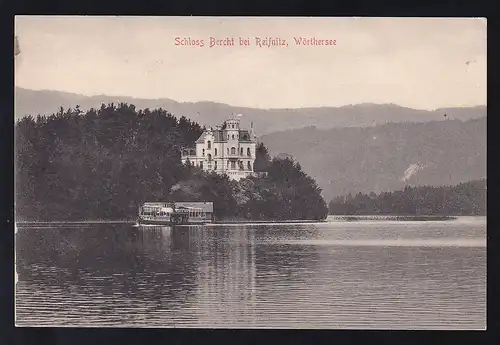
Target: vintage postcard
240, 172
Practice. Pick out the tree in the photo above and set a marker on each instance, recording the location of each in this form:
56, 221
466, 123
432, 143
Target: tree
98, 164
102, 164
203, 186
286, 192
262, 158
463, 199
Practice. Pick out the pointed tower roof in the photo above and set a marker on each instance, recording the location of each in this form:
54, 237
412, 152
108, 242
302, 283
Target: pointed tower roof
252, 132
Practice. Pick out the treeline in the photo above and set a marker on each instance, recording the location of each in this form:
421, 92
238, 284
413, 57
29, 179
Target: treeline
463, 199
284, 192
102, 164
98, 164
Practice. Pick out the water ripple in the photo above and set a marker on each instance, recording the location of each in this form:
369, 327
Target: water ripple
372, 275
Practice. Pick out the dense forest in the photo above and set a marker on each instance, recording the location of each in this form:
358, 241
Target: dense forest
103, 163
463, 199
387, 157
285, 192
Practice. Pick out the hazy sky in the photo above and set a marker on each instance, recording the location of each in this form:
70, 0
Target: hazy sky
420, 63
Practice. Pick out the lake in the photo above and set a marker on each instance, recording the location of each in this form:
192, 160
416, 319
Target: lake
351, 275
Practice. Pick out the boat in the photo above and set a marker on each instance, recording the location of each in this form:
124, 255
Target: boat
176, 213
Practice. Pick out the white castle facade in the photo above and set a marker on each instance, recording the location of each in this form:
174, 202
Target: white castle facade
225, 150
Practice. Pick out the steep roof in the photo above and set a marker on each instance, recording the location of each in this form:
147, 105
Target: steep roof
245, 135
201, 139
221, 135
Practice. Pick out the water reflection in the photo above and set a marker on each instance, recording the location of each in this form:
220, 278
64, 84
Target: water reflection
283, 256
108, 260
226, 273
251, 276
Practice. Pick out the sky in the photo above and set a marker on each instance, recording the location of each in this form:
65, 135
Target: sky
414, 62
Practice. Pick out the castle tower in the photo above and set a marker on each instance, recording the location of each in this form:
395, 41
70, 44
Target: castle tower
226, 150
232, 129
232, 146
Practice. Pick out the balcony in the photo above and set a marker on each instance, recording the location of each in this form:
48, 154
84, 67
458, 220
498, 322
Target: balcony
188, 152
237, 155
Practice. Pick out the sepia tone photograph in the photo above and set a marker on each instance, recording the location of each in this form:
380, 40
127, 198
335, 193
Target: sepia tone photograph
244, 172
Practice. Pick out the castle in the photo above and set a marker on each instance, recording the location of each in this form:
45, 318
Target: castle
226, 150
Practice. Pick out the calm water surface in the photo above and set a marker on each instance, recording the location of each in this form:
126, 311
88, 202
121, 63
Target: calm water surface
369, 274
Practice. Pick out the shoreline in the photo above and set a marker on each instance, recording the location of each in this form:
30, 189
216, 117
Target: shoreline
70, 222
331, 218
350, 218
249, 221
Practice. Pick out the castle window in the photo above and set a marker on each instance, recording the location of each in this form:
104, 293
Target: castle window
203, 153
233, 151
215, 152
209, 157
233, 136
215, 165
228, 163
233, 165
241, 151
209, 144
248, 151
201, 165
228, 150
249, 166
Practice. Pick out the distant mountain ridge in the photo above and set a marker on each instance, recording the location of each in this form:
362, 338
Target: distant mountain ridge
349, 149
386, 157
33, 102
